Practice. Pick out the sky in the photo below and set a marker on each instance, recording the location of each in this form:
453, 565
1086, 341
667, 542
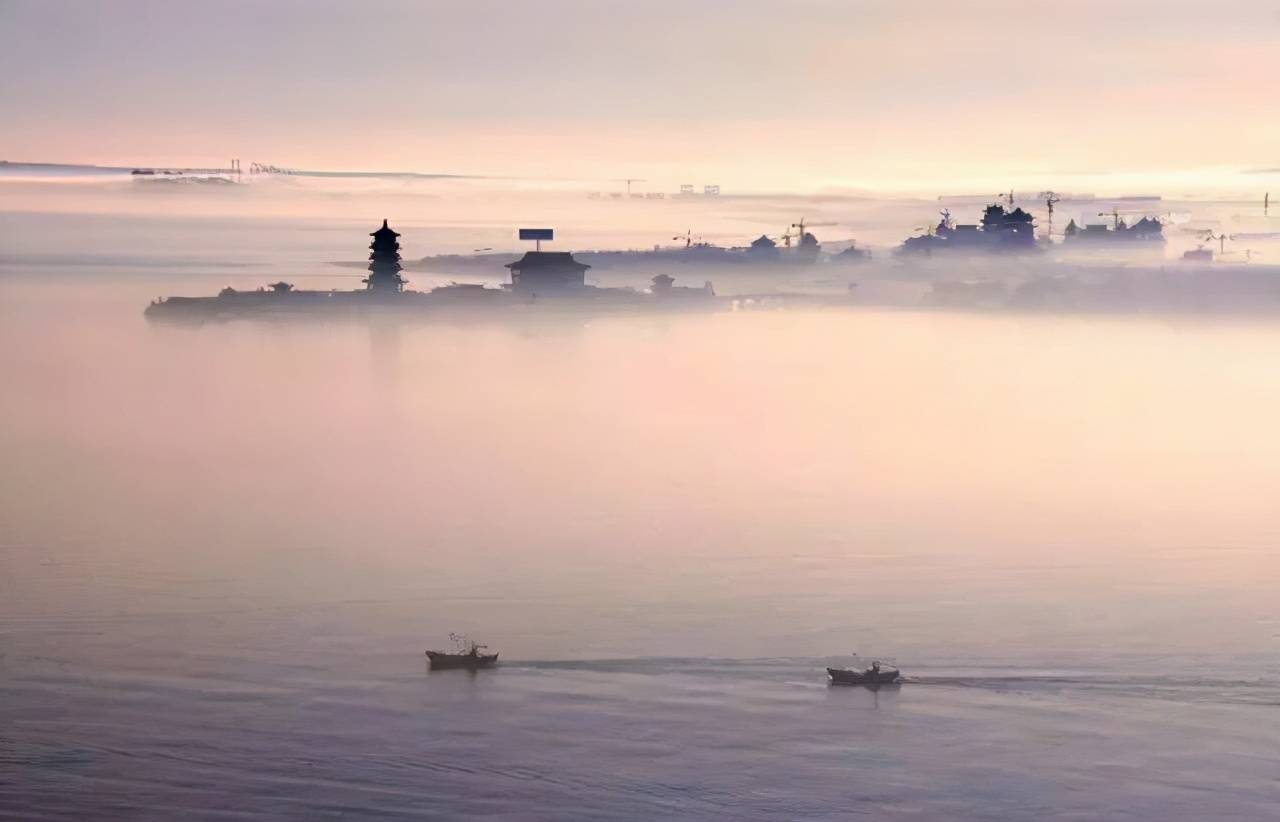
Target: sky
755, 96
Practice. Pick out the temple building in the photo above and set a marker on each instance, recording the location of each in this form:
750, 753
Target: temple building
384, 262
808, 249
1002, 230
543, 271
1147, 230
763, 248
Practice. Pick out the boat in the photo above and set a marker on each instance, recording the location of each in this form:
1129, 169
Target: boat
466, 654
875, 675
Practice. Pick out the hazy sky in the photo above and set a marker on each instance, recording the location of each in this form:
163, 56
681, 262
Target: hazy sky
749, 94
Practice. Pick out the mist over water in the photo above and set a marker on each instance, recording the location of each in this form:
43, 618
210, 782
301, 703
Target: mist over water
223, 550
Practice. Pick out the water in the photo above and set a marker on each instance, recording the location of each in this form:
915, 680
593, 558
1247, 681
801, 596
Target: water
224, 550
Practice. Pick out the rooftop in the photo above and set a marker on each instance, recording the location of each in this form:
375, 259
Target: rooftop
386, 229
547, 259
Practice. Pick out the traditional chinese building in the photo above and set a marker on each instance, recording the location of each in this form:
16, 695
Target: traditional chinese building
543, 271
808, 249
763, 248
384, 262
1147, 230
1002, 230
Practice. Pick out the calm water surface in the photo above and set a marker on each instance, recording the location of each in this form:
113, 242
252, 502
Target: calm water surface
223, 551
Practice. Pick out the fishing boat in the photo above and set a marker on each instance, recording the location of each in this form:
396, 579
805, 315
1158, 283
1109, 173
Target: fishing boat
875, 675
466, 654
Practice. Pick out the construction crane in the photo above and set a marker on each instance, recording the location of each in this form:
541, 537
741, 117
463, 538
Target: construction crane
1221, 239
800, 226
1050, 199
629, 181
1114, 214
688, 238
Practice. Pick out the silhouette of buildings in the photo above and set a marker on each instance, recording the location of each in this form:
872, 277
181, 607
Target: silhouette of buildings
555, 276
762, 248
663, 286
852, 254
543, 271
1001, 230
808, 249
1146, 230
384, 262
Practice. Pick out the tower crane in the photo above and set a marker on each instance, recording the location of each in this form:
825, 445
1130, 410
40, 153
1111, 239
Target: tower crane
688, 238
1209, 237
629, 181
1050, 199
800, 227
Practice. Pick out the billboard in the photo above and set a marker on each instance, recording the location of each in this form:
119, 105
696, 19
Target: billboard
537, 234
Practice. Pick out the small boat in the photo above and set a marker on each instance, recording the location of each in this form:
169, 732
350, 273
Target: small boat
875, 675
465, 654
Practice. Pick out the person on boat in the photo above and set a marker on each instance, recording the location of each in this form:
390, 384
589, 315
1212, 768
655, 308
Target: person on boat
875, 668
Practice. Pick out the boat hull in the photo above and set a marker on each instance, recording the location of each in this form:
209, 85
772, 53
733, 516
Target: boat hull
471, 662
840, 676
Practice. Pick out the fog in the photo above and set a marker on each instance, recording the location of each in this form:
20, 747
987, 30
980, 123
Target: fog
765, 474
255, 520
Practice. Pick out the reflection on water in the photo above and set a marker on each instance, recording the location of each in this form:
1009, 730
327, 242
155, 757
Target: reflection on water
224, 550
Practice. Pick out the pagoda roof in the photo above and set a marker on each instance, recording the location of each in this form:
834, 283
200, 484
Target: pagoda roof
547, 259
384, 231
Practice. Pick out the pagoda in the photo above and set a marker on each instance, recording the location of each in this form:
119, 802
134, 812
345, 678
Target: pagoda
384, 262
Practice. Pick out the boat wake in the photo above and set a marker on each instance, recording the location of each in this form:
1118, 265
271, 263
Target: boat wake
1254, 690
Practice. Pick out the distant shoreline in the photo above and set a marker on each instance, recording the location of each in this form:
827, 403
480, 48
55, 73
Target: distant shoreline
93, 168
